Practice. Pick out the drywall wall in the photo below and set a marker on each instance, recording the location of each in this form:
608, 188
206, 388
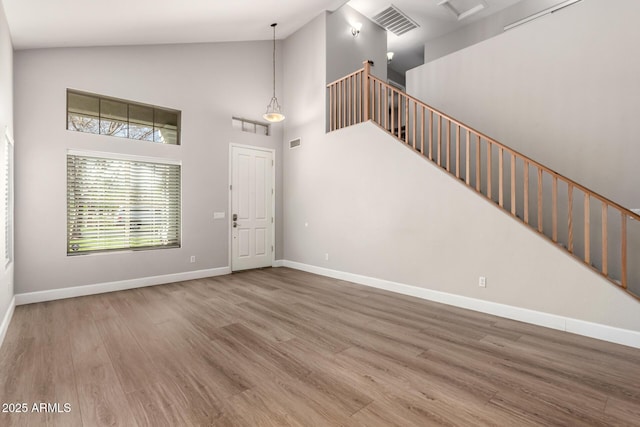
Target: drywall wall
304, 65
345, 53
562, 89
484, 29
396, 77
209, 83
6, 125
305, 68
379, 210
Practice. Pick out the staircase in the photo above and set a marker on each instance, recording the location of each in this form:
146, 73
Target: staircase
595, 230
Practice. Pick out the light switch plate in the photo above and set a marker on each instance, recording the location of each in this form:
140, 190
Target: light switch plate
218, 215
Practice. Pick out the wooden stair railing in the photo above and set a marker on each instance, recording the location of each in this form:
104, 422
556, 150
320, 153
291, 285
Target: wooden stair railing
596, 230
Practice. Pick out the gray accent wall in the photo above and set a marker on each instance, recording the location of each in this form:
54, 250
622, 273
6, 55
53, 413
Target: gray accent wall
345, 53
6, 122
209, 83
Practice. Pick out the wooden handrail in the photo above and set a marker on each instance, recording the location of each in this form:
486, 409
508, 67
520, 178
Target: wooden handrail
515, 152
361, 96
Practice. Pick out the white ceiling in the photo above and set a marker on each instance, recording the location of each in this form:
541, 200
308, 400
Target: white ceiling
66, 23
434, 21
63, 23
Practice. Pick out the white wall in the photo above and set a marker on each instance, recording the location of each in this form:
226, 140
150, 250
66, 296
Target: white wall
351, 188
305, 89
6, 122
348, 194
484, 29
345, 54
209, 83
562, 89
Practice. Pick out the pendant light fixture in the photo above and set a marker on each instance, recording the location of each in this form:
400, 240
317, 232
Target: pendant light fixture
274, 110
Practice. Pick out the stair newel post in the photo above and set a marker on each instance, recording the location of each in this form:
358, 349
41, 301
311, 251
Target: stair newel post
365, 82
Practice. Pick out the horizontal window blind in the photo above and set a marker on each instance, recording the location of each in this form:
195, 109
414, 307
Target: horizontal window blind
115, 204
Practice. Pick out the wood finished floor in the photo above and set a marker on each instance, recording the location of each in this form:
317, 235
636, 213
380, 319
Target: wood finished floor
286, 348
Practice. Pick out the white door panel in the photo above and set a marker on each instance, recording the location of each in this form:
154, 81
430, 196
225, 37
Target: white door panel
252, 203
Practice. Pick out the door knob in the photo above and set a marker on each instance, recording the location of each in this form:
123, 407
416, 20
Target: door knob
235, 224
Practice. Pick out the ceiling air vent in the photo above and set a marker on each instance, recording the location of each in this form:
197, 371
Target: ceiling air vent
294, 143
394, 20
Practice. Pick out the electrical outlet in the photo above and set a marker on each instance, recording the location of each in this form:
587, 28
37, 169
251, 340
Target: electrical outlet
482, 282
326, 257
193, 258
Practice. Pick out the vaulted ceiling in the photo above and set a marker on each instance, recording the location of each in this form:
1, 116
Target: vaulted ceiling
66, 23
62, 23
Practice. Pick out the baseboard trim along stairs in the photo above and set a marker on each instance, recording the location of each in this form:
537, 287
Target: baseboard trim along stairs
575, 326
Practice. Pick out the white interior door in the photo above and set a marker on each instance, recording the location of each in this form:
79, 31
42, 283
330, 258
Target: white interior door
251, 208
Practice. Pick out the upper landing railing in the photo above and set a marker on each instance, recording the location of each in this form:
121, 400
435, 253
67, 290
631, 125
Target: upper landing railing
592, 228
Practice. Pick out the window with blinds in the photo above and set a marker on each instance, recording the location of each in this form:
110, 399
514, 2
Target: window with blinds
119, 204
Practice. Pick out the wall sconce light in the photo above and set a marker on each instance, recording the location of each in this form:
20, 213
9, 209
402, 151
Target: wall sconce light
355, 29
389, 57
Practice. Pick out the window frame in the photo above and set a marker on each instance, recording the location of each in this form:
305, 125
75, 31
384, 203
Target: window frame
128, 103
242, 122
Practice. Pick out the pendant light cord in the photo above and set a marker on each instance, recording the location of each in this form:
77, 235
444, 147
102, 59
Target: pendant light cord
274, 59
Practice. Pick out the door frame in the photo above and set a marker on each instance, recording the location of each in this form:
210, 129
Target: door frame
230, 204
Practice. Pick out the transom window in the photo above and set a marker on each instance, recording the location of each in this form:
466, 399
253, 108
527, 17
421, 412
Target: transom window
116, 204
115, 117
250, 126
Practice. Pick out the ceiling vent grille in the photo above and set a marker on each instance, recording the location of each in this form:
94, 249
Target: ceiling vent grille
394, 20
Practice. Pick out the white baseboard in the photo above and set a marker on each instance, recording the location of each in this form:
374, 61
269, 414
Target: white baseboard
278, 263
580, 327
4, 326
78, 291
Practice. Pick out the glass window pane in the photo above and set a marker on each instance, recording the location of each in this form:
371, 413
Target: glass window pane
83, 104
262, 130
166, 136
166, 124
141, 114
82, 113
141, 122
141, 132
249, 127
113, 118
80, 123
165, 118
